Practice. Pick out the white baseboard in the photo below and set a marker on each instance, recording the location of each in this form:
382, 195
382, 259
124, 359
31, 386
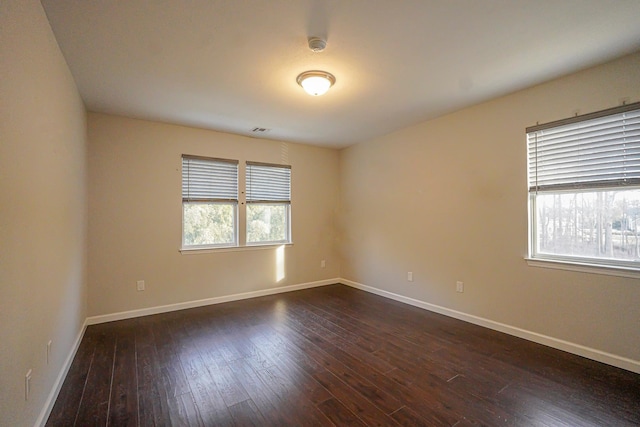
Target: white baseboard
580, 350
57, 385
207, 301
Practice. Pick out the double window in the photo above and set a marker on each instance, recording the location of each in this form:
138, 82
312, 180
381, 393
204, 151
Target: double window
213, 208
584, 189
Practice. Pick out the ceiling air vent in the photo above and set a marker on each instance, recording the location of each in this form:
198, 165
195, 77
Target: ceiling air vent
260, 130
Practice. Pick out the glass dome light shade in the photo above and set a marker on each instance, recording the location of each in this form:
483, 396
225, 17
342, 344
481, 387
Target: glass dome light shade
316, 83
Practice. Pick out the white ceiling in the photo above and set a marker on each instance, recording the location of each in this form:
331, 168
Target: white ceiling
231, 65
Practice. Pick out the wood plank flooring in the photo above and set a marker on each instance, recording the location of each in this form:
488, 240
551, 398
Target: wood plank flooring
331, 356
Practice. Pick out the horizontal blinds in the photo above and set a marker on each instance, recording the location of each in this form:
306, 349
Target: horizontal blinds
209, 180
598, 152
268, 183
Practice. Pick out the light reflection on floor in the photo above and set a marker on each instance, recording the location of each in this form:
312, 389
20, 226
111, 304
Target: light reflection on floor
261, 358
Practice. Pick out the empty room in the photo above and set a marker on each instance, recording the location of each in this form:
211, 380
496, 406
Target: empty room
319, 212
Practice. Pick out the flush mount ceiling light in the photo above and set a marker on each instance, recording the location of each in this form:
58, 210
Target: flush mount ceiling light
316, 83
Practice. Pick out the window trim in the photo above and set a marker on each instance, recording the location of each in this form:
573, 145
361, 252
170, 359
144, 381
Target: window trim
623, 268
210, 250
571, 265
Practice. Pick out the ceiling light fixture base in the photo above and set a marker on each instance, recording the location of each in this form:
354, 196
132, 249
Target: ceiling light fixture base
317, 44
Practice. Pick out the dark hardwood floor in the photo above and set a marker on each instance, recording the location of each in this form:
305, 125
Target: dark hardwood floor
331, 356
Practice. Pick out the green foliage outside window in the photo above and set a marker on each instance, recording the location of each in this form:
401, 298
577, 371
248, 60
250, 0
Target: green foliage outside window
266, 223
208, 223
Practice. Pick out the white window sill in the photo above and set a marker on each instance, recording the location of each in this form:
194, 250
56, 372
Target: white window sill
198, 251
584, 267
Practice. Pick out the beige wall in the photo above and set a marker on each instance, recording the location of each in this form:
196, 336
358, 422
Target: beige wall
135, 216
42, 210
447, 199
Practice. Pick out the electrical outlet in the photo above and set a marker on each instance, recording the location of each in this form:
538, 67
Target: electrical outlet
323, 264
27, 384
140, 285
410, 276
459, 287
49, 351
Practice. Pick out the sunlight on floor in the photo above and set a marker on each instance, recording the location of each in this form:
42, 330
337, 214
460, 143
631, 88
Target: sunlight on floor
280, 311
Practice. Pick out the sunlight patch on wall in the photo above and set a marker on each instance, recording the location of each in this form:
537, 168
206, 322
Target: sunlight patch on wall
280, 263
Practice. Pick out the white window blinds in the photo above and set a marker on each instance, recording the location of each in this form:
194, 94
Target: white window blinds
268, 183
591, 151
209, 180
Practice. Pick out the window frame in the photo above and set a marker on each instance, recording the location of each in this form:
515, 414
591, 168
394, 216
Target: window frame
232, 244
602, 265
228, 200
536, 255
240, 208
287, 228
282, 198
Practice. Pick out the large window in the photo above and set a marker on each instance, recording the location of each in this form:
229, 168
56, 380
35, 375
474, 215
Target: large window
584, 188
213, 207
268, 203
209, 202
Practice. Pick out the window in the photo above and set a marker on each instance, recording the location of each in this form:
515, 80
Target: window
584, 188
212, 206
209, 202
268, 203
